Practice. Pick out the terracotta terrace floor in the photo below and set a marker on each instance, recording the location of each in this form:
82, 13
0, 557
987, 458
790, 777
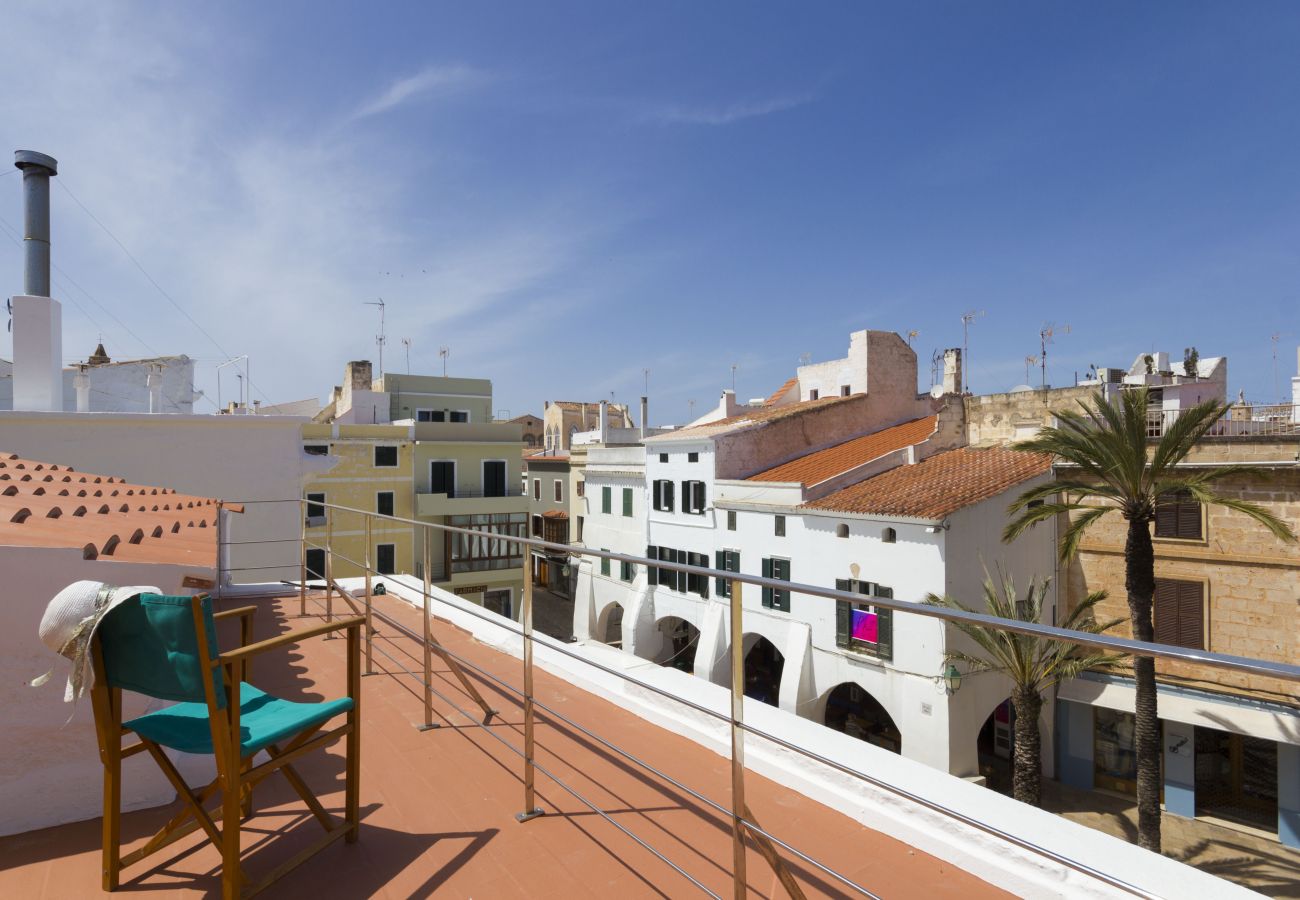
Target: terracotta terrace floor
438, 807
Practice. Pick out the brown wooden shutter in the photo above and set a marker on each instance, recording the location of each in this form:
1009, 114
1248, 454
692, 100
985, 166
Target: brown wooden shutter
1191, 614
1165, 611
1189, 518
1166, 517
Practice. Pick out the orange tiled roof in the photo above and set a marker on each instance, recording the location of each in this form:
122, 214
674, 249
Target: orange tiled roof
940, 485
48, 505
555, 514
751, 416
780, 392
817, 467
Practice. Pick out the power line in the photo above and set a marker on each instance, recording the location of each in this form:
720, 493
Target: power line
169, 298
5, 226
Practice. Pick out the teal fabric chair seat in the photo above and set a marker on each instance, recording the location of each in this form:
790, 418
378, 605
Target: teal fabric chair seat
263, 720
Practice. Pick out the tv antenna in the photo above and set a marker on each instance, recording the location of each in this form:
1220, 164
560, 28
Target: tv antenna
690, 404
936, 361
1275, 337
734, 367
911, 335
381, 338
805, 359
444, 351
406, 342
966, 319
1029, 361
646, 373
1045, 336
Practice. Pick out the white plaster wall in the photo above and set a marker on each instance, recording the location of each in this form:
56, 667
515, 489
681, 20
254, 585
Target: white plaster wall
234, 458
596, 593
50, 771
122, 387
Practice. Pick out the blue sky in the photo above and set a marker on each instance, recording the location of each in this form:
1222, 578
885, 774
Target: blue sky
567, 194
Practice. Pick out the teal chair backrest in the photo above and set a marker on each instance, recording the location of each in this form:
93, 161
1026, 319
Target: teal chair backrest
150, 646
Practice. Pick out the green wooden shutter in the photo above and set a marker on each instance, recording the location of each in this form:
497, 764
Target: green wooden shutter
767, 591
604, 563
606, 499
627, 502
885, 634
651, 572
720, 562
843, 615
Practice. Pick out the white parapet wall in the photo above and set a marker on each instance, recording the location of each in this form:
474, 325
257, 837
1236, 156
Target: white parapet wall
980, 831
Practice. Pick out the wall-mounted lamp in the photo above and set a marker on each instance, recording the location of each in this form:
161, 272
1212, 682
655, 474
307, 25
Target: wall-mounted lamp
1178, 746
952, 679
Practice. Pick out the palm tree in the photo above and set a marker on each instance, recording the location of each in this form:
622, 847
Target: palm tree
1110, 470
1033, 664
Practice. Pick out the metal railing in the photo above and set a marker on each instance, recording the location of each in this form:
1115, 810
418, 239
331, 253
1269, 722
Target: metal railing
744, 824
458, 494
1241, 420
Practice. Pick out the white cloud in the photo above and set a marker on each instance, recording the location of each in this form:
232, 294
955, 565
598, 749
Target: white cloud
434, 79
726, 115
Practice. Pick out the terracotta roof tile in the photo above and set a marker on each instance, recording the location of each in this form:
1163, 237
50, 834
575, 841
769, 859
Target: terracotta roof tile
750, 417
780, 392
103, 516
817, 467
940, 485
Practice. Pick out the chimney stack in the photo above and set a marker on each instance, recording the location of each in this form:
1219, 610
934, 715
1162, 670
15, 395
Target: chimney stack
645, 412
153, 381
604, 422
952, 371
37, 319
81, 382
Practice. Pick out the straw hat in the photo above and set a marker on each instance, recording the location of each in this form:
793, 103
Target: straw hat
69, 624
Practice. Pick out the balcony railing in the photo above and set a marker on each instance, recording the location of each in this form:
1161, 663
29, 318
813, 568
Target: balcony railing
458, 494
744, 826
1242, 420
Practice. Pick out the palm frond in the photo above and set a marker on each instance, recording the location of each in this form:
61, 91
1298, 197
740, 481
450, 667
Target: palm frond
1208, 497
1073, 536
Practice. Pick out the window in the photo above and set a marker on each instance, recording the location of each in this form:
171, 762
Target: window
845, 390
537, 489
627, 502
780, 526
604, 563
1179, 613
316, 508
581, 488
430, 415
384, 503
663, 457
813, 394
315, 564
385, 457
727, 561
774, 598
731, 520
606, 500
1178, 515
559, 491
693, 497
864, 627
651, 572
889, 536
696, 584
316, 449
626, 571
841, 530
666, 577
692, 457
460, 415
386, 559
537, 526
580, 521
494, 478
442, 477
664, 495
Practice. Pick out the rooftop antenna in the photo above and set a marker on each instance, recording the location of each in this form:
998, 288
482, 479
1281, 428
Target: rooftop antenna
1045, 336
444, 352
734, 367
381, 338
406, 342
966, 319
936, 360
910, 336
805, 359
690, 404
646, 373
1029, 361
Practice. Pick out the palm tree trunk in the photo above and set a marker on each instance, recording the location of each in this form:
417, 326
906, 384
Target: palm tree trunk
1027, 765
1140, 582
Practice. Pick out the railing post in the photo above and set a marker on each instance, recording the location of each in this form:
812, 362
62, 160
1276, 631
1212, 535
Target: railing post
329, 565
302, 581
370, 627
531, 810
737, 745
428, 636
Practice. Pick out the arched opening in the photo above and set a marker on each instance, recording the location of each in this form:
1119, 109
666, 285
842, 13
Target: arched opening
613, 634
995, 745
853, 711
680, 640
763, 666
841, 530
889, 536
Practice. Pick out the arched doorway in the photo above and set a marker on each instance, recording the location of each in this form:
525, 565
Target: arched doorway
763, 666
853, 711
680, 640
613, 633
995, 745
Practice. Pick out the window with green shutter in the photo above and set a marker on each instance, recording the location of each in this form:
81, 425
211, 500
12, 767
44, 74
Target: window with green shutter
604, 562
727, 561
627, 502
864, 627
606, 500
626, 571
776, 598
652, 572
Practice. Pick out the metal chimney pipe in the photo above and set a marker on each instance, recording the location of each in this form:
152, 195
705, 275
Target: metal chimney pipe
645, 412
37, 168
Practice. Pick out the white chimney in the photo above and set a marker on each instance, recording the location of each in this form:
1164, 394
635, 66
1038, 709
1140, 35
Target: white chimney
153, 381
38, 354
952, 371
645, 414
604, 421
81, 382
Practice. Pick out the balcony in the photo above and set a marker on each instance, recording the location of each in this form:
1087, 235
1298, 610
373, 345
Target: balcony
463, 503
1243, 420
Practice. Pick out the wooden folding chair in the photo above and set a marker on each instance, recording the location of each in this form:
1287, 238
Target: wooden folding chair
166, 647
